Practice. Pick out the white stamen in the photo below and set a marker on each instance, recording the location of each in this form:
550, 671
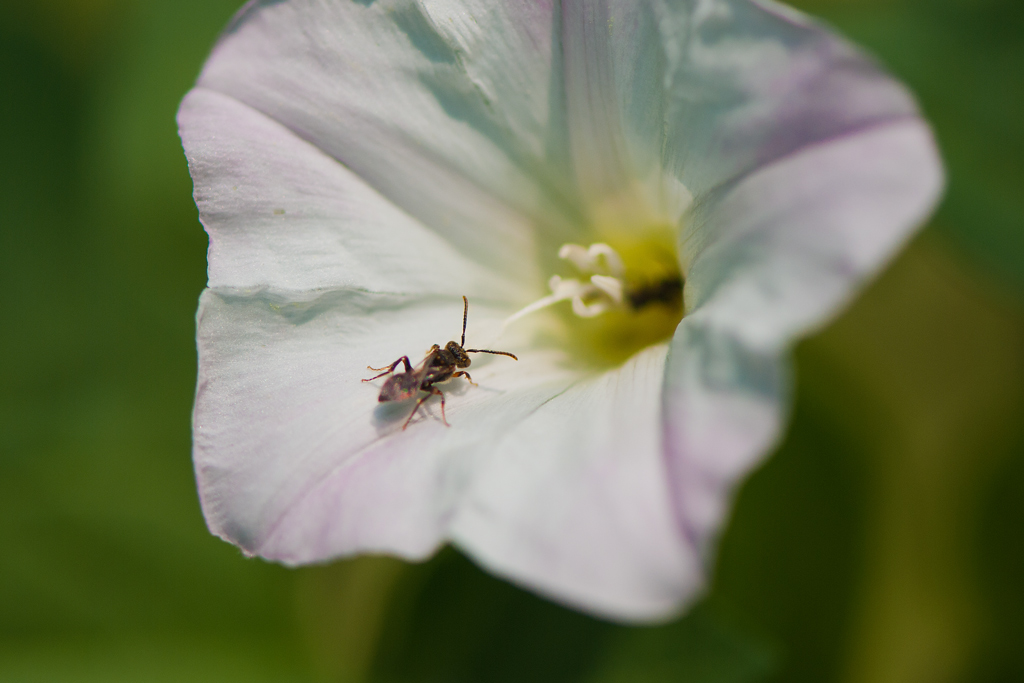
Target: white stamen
604, 290
566, 288
612, 260
577, 255
561, 290
609, 285
589, 259
584, 310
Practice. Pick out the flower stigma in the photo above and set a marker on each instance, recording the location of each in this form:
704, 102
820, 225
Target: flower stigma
624, 295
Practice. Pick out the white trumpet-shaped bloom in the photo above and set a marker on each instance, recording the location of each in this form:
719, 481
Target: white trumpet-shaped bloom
360, 165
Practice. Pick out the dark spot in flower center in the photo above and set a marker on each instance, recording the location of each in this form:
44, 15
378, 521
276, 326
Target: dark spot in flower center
668, 291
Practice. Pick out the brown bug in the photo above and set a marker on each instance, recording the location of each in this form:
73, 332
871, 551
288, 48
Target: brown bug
440, 365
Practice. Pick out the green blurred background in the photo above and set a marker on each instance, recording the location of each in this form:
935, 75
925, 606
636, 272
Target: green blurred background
883, 543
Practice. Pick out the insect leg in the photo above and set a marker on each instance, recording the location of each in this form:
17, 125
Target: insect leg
418, 404
435, 390
463, 373
390, 368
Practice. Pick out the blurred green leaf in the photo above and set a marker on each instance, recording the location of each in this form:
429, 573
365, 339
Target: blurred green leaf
703, 647
451, 621
107, 564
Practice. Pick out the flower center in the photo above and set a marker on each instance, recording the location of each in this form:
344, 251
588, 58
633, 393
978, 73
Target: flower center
624, 296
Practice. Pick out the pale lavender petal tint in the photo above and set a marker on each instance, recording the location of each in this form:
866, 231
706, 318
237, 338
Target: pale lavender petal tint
786, 247
360, 165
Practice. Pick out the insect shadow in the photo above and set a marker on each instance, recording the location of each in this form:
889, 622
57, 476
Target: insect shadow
439, 365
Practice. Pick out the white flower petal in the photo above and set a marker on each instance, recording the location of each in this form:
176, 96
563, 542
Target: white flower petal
747, 83
410, 97
281, 213
574, 502
536, 478
706, 90
295, 459
725, 406
778, 253
601, 161
781, 252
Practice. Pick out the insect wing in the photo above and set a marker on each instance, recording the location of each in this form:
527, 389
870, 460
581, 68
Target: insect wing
399, 387
405, 385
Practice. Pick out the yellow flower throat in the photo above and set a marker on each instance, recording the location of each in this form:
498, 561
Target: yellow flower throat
623, 295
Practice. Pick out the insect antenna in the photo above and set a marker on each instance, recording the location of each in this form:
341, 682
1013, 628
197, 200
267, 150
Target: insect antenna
465, 315
496, 353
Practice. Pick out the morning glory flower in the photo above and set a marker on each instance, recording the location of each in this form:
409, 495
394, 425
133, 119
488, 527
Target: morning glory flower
646, 201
